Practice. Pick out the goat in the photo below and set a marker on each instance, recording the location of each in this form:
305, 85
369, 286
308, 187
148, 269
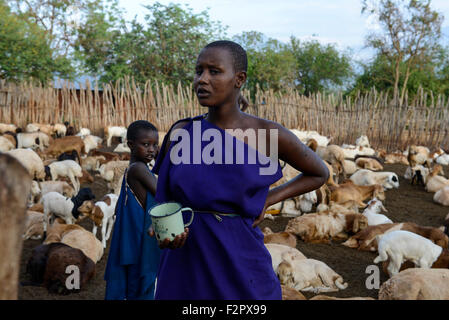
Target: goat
309, 275
31, 161
366, 177
66, 168
417, 284
112, 131
400, 245
372, 213
442, 196
366, 239
102, 213
348, 191
66, 144
434, 181
279, 252
418, 155
66, 208
284, 238
320, 227
5, 144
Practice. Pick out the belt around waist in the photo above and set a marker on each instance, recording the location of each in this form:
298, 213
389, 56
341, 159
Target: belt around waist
217, 214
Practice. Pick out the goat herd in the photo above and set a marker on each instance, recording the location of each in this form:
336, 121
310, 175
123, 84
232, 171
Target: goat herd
348, 213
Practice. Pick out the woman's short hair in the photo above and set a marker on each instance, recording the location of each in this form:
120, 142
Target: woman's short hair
237, 53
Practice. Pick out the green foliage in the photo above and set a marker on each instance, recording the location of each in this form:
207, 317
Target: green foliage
44, 39
319, 67
25, 53
430, 75
165, 48
95, 35
270, 64
408, 41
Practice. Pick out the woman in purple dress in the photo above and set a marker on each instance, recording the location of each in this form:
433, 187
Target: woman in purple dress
224, 175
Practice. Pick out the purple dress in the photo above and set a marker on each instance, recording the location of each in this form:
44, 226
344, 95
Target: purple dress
224, 257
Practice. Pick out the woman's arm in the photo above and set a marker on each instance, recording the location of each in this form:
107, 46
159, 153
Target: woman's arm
314, 172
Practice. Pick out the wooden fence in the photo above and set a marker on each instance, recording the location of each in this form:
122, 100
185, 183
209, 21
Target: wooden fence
387, 126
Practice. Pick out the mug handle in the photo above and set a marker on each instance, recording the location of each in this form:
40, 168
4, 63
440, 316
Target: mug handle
191, 218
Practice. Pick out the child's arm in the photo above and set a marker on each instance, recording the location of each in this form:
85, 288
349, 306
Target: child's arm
140, 181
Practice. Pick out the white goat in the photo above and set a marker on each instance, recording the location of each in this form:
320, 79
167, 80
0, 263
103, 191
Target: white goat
7, 127
309, 275
365, 177
66, 208
442, 196
113, 131
102, 213
372, 212
33, 140
83, 132
91, 142
56, 186
305, 136
122, 147
399, 246
443, 160
31, 161
67, 168
306, 201
350, 153
60, 129
278, 253
362, 141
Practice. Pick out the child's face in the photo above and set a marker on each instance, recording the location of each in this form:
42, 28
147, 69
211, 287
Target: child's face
215, 81
146, 146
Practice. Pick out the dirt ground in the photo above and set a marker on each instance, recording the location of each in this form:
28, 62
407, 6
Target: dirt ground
408, 203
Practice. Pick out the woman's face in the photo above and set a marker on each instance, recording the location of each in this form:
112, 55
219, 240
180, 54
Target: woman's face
215, 81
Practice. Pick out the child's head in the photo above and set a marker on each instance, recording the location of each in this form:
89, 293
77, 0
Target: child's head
143, 140
220, 72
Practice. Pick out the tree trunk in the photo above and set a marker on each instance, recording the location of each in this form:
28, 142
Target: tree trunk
397, 76
404, 86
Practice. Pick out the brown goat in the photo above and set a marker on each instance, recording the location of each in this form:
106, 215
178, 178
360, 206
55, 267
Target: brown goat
348, 191
66, 144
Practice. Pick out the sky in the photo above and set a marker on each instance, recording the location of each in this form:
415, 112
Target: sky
329, 21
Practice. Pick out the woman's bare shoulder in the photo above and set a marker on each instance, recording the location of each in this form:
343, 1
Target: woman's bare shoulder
262, 123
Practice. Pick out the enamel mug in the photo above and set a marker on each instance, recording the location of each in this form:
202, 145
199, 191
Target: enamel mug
167, 220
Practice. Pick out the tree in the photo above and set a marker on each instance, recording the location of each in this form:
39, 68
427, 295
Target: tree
409, 38
58, 19
164, 48
96, 33
270, 64
25, 52
319, 67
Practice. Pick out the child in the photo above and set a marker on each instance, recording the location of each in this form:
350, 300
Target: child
134, 255
222, 255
